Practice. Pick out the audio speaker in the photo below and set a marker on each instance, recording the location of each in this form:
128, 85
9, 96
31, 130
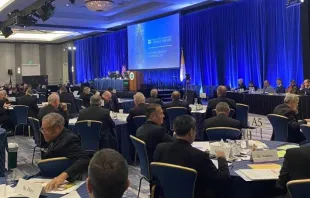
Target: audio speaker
10, 72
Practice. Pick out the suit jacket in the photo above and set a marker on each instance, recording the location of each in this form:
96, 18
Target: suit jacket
50, 109
178, 103
221, 120
213, 102
86, 99
136, 111
295, 166
209, 178
98, 114
294, 134
280, 89
152, 100
242, 86
305, 91
114, 103
69, 98
152, 134
67, 144
292, 89
31, 102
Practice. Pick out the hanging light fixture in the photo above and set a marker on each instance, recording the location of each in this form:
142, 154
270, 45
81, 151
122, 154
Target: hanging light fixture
99, 5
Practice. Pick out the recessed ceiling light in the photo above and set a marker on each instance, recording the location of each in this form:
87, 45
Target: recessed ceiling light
5, 3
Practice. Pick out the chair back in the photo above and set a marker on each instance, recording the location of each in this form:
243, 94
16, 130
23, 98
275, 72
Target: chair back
3, 148
305, 129
231, 112
299, 188
280, 127
79, 104
53, 167
175, 181
42, 98
139, 120
218, 133
21, 114
142, 153
89, 131
242, 112
35, 125
174, 112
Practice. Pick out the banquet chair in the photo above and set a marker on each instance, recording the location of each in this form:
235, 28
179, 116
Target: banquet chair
144, 160
174, 112
280, 127
305, 129
53, 167
89, 132
79, 104
299, 188
175, 181
218, 133
242, 114
139, 120
231, 112
35, 125
21, 117
42, 98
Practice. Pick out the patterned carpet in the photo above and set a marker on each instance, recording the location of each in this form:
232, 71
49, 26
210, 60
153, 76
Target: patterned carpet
26, 168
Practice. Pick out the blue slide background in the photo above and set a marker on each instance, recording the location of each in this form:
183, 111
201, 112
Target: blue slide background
154, 44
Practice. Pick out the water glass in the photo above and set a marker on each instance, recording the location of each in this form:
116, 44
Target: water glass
10, 178
121, 111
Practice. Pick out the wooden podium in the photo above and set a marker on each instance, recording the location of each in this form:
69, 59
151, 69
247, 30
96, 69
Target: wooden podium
135, 80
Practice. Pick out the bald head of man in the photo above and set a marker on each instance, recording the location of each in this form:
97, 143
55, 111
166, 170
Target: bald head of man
154, 93
221, 91
176, 95
107, 96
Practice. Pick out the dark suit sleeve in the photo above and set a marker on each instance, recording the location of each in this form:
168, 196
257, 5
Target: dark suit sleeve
41, 114
209, 171
79, 158
293, 124
65, 114
35, 106
156, 156
130, 116
110, 122
209, 113
284, 176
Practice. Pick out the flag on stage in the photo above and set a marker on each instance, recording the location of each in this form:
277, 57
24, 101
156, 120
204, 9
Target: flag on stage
182, 68
123, 69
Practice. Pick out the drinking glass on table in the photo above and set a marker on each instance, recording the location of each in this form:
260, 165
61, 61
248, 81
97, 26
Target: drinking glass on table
10, 177
121, 111
114, 115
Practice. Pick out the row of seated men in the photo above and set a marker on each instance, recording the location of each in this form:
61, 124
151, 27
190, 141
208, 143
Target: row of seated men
293, 89
211, 182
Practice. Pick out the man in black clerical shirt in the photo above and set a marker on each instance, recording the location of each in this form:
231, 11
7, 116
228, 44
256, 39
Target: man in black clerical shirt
63, 143
152, 133
154, 99
31, 102
210, 180
177, 102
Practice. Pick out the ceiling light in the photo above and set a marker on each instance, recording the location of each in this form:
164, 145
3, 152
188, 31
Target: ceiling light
99, 5
5, 3
7, 31
74, 48
69, 48
46, 11
24, 20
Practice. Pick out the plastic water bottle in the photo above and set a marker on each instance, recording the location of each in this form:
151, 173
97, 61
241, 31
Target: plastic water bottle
196, 103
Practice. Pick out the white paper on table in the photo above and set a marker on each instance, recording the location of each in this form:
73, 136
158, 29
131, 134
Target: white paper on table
260, 174
72, 120
73, 194
8, 191
203, 146
44, 182
216, 163
244, 177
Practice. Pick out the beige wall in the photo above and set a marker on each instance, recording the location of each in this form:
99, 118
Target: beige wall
51, 59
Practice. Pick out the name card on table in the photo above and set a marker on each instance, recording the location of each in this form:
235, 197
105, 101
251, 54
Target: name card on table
29, 189
264, 156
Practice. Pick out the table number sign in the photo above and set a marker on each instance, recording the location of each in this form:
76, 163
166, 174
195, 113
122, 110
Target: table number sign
29, 189
264, 156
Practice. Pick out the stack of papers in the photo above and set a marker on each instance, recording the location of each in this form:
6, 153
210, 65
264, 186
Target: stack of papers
258, 174
265, 166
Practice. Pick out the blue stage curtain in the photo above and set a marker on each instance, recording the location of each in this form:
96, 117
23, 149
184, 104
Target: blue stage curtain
97, 55
250, 39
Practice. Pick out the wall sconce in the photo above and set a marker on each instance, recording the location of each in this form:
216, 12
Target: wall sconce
72, 69
18, 70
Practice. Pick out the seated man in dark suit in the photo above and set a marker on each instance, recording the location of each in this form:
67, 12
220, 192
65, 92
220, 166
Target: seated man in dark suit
280, 88
63, 143
222, 118
154, 99
139, 109
209, 178
54, 106
106, 98
85, 96
95, 112
107, 175
114, 100
305, 87
176, 102
295, 166
221, 97
241, 84
152, 133
67, 97
290, 109
31, 102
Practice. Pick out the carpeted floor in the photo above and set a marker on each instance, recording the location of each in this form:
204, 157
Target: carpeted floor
26, 145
